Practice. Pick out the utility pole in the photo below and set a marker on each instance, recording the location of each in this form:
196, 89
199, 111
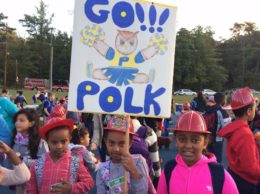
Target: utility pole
6, 29
51, 61
16, 74
5, 56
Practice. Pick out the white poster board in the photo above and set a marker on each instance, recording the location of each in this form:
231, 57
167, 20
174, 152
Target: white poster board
122, 57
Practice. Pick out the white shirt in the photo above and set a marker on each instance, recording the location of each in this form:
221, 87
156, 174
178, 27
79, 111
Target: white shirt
20, 174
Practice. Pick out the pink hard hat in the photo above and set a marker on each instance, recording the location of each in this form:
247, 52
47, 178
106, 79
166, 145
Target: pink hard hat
191, 121
54, 123
58, 111
120, 124
241, 98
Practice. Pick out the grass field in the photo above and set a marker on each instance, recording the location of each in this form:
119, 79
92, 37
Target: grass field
29, 93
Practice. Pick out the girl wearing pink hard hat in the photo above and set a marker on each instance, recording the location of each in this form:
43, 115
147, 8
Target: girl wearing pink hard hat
194, 170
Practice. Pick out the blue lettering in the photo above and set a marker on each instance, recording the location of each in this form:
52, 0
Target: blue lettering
123, 14
102, 17
129, 108
110, 99
149, 100
123, 60
86, 88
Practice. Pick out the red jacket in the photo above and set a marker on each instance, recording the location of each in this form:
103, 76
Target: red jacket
242, 152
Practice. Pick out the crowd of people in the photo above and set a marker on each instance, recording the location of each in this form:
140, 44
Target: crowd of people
48, 149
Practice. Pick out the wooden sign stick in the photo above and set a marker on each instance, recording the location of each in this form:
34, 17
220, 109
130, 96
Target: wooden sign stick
127, 150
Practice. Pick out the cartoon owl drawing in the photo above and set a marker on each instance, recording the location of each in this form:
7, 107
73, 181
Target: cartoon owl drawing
126, 42
123, 60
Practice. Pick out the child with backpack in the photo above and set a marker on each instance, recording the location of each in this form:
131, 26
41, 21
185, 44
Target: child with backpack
59, 171
139, 145
148, 148
242, 152
216, 118
27, 142
110, 176
20, 173
194, 171
80, 141
20, 98
48, 104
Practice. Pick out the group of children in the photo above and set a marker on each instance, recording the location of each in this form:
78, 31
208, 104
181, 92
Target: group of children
65, 167
30, 144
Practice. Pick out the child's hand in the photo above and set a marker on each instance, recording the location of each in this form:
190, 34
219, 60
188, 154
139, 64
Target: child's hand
4, 148
64, 188
257, 142
257, 138
129, 164
93, 146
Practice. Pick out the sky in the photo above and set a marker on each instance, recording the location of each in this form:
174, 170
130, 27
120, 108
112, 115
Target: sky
220, 14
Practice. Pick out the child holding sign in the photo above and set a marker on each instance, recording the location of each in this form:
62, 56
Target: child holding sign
110, 177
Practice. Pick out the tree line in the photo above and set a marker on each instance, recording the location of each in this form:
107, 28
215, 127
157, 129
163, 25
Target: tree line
200, 60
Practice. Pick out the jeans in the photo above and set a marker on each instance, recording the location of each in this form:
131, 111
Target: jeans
243, 186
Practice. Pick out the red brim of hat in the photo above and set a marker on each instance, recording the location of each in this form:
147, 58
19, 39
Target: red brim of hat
46, 128
229, 107
200, 132
116, 130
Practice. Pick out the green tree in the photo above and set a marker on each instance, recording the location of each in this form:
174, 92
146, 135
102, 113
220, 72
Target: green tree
241, 56
39, 28
62, 51
196, 60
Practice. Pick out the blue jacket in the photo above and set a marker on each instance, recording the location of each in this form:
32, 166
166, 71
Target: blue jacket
7, 112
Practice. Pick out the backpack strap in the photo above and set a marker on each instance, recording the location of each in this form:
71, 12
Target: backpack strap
220, 120
104, 170
74, 167
216, 171
217, 176
220, 125
169, 166
39, 164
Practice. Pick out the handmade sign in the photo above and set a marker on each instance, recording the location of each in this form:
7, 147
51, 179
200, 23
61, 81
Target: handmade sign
122, 57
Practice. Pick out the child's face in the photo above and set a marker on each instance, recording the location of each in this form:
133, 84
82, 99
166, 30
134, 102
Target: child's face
58, 141
52, 98
85, 140
251, 112
116, 145
190, 146
22, 124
